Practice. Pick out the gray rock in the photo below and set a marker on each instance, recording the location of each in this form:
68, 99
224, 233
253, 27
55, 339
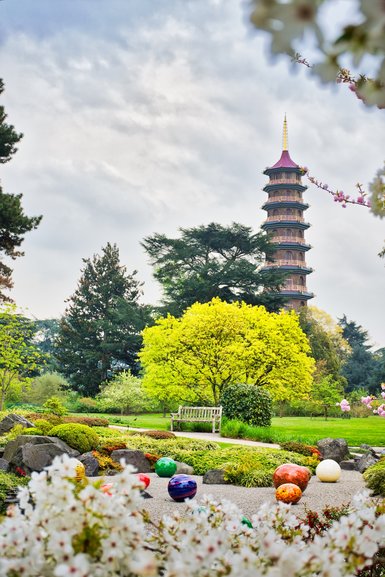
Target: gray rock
11, 420
367, 460
4, 465
348, 465
336, 449
214, 477
133, 457
91, 464
11, 447
36, 457
183, 469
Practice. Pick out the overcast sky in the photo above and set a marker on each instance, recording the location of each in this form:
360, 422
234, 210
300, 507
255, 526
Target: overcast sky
141, 116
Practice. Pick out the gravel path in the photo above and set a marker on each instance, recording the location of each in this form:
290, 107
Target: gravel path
316, 496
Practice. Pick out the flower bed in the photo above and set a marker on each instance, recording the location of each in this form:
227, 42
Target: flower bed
67, 527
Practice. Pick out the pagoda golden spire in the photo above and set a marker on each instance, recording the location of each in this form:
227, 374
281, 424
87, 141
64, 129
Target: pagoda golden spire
285, 145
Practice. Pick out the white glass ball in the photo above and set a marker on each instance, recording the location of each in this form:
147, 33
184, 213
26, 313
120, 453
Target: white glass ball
328, 471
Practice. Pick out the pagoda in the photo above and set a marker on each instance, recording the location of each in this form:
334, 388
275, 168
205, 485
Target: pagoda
286, 225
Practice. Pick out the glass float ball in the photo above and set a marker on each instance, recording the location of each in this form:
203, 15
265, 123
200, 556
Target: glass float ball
165, 467
247, 522
182, 487
145, 479
328, 471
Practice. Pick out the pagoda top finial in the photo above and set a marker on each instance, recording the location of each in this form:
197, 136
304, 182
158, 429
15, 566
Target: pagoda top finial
285, 142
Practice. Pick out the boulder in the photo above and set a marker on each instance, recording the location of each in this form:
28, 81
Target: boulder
183, 469
336, 449
12, 447
365, 461
214, 477
35, 457
11, 420
90, 463
348, 465
4, 465
133, 457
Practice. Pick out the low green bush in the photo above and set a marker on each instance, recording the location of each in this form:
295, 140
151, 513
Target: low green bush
235, 429
9, 482
246, 466
247, 403
80, 437
50, 417
158, 434
55, 405
374, 477
90, 421
301, 448
43, 425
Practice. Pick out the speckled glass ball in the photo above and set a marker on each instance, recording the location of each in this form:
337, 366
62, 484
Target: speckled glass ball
328, 471
165, 467
182, 487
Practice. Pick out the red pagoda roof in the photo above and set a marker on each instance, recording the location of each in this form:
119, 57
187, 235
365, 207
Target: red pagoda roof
285, 161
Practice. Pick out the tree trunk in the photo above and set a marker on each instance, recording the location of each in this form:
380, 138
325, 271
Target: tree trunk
325, 412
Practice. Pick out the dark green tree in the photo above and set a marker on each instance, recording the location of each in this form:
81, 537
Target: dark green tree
13, 222
328, 348
214, 261
378, 375
99, 334
46, 331
361, 363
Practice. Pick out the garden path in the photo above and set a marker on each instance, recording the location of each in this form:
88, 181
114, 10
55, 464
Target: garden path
206, 437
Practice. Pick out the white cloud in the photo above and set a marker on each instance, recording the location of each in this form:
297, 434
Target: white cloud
143, 120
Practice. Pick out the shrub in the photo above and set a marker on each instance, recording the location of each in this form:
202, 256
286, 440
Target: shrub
301, 448
43, 425
247, 403
9, 482
50, 417
107, 447
374, 477
45, 386
12, 434
55, 406
80, 437
106, 464
90, 421
158, 434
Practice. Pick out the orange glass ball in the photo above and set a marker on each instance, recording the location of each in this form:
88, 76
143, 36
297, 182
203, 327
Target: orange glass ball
288, 493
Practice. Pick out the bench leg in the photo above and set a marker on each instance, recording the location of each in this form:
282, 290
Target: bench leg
172, 425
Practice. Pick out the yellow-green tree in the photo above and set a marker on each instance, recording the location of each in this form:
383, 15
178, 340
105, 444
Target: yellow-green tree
193, 358
19, 357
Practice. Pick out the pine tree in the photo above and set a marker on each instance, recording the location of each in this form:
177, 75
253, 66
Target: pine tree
13, 222
99, 334
214, 261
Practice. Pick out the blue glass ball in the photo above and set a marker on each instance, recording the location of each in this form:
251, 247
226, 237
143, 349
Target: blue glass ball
165, 467
182, 487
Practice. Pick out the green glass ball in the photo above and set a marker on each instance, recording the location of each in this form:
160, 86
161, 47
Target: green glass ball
165, 467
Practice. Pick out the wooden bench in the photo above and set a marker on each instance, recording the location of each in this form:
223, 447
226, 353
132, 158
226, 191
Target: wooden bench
198, 415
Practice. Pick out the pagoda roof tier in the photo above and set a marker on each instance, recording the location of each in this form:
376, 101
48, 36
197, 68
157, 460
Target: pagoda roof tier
274, 203
294, 294
285, 224
291, 245
298, 268
271, 186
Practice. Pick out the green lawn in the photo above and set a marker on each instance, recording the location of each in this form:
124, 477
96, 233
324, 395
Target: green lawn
370, 430
147, 421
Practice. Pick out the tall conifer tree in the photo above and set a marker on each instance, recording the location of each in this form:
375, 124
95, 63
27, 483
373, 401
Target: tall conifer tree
99, 334
13, 222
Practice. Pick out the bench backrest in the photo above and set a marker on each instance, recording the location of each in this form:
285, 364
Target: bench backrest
201, 412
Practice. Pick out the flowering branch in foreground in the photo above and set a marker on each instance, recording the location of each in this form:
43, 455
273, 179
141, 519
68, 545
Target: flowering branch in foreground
65, 527
339, 195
